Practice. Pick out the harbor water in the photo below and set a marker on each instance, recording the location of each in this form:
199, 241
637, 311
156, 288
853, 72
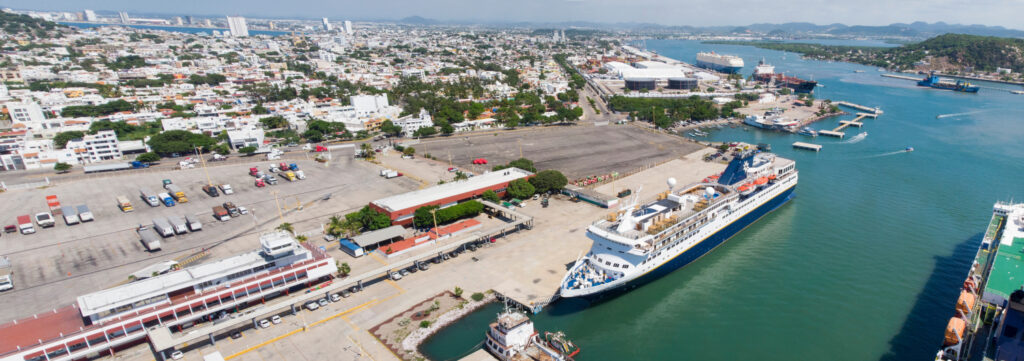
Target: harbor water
864, 264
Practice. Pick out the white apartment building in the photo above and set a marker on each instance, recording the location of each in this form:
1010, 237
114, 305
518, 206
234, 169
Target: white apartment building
237, 26
367, 105
411, 123
98, 147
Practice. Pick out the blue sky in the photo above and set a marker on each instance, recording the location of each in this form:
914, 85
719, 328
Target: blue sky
669, 12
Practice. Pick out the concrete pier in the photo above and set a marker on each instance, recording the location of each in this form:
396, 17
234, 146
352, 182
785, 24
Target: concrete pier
831, 133
875, 110
807, 146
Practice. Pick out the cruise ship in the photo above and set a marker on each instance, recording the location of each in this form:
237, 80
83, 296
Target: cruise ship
771, 121
639, 244
719, 62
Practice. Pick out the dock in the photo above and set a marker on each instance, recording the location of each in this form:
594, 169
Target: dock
832, 133
807, 146
867, 115
904, 77
874, 110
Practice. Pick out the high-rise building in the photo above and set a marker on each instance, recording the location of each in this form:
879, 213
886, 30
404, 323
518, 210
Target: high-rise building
90, 15
237, 26
348, 27
272, 25
208, 22
124, 17
179, 21
327, 25
189, 20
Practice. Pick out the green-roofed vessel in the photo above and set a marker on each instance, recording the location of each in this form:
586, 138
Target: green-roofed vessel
988, 321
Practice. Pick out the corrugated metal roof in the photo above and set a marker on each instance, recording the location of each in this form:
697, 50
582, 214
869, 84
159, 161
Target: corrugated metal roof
379, 235
424, 196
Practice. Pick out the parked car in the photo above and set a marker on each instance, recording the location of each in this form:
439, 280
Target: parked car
323, 302
264, 324
404, 272
395, 276
177, 355
335, 297
236, 335
276, 319
312, 306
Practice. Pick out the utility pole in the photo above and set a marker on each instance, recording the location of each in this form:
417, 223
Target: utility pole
203, 162
278, 202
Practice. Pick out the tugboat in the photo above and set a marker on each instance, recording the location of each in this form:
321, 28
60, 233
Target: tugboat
512, 338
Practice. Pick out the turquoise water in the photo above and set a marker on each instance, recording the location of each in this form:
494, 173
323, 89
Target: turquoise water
864, 264
177, 29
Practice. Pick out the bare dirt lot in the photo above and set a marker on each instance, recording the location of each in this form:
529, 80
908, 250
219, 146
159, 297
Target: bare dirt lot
576, 151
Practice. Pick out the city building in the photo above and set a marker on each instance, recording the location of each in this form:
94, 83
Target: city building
411, 123
98, 147
401, 208
89, 15
26, 112
124, 17
237, 26
366, 105
348, 27
248, 137
327, 24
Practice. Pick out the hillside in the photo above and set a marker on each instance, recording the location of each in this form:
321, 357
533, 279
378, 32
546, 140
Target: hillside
947, 53
24, 25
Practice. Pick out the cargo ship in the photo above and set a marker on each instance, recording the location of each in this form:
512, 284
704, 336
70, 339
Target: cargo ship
718, 62
988, 318
933, 81
763, 72
798, 85
639, 244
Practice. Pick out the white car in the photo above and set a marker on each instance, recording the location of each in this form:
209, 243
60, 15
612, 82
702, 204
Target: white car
335, 297
312, 306
243, 210
264, 324
323, 302
177, 355
226, 189
395, 276
276, 319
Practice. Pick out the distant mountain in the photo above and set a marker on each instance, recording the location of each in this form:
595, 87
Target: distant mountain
417, 20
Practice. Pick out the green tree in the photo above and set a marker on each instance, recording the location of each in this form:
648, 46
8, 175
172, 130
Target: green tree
179, 141
260, 109
222, 149
344, 269
409, 151
447, 129
490, 196
548, 180
247, 150
287, 227
148, 157
477, 296
389, 128
524, 164
458, 292
425, 132
61, 167
274, 122
61, 139
520, 188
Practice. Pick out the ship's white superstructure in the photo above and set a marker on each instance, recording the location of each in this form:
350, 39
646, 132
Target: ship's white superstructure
719, 62
681, 225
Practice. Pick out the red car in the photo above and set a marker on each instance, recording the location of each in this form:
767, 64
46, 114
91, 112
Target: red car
260, 183
480, 161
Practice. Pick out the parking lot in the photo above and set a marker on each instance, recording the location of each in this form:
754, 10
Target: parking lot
576, 151
57, 264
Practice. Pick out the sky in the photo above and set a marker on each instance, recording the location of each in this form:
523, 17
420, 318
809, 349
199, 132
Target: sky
667, 12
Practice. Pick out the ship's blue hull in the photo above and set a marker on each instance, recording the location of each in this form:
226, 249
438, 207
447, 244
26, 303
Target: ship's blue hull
702, 248
719, 68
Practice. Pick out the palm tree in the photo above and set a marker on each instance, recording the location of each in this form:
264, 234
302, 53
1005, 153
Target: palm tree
336, 226
367, 151
344, 269
287, 227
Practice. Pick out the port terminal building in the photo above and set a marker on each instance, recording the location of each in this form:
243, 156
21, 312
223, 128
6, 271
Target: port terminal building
402, 207
103, 322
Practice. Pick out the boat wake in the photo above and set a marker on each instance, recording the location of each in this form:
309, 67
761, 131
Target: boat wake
855, 139
940, 116
886, 154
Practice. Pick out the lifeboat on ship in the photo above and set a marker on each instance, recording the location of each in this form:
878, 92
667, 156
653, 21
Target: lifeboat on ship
746, 189
761, 181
